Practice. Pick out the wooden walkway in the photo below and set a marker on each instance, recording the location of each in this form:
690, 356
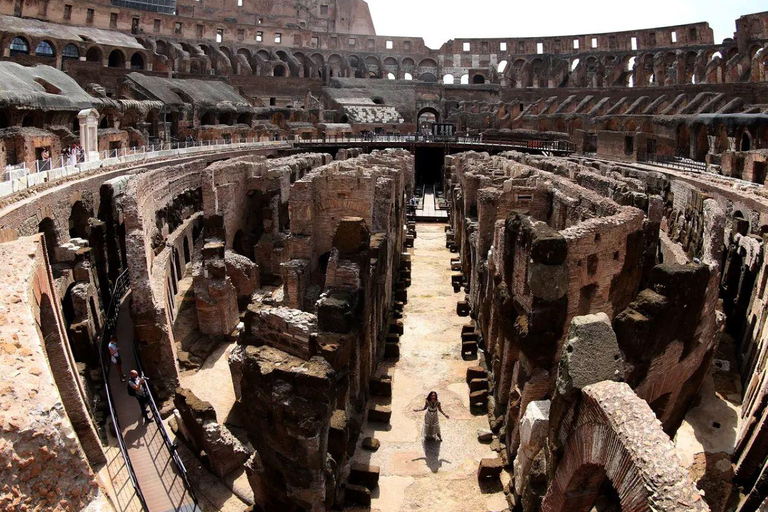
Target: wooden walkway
162, 487
427, 209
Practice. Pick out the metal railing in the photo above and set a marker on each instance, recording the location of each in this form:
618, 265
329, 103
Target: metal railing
15, 179
677, 161
169, 445
110, 323
543, 145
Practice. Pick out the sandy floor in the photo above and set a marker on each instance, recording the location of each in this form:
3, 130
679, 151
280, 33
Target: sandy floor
430, 476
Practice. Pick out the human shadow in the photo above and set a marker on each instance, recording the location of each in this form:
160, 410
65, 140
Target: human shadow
432, 455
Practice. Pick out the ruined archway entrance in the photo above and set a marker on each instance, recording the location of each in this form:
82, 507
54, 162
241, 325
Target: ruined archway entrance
429, 165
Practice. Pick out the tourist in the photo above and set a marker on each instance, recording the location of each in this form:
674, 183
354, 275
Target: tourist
137, 387
114, 356
431, 430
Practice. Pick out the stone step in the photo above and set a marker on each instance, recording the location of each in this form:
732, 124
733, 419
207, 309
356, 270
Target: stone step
470, 336
379, 413
469, 348
478, 384
462, 308
475, 372
381, 386
396, 328
365, 475
489, 468
392, 350
478, 398
357, 495
470, 327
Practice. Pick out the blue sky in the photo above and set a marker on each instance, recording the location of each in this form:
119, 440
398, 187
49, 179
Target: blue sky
437, 21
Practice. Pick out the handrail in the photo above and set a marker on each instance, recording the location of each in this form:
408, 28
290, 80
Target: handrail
113, 312
161, 428
543, 145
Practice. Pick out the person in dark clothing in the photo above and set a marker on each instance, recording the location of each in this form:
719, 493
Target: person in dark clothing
137, 387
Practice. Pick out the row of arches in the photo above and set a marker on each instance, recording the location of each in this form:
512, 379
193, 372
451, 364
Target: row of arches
117, 58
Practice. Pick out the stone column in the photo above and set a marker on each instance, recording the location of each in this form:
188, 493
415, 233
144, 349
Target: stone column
89, 138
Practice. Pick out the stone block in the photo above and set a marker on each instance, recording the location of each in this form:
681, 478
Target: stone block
489, 468
475, 372
478, 384
371, 444
392, 350
357, 495
396, 328
401, 296
478, 398
351, 236
379, 413
591, 354
469, 336
462, 308
381, 386
468, 349
365, 475
484, 436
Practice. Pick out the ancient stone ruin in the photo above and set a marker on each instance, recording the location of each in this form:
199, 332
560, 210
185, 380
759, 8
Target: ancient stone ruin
294, 230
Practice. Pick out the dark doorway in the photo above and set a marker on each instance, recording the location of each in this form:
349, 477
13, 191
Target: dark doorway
429, 165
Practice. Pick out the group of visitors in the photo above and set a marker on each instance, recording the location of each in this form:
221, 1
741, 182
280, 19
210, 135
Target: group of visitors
73, 154
137, 385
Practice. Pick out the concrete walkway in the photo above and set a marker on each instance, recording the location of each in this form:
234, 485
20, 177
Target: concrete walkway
430, 476
163, 489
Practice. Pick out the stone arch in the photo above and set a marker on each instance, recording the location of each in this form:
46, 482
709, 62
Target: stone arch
45, 48
78, 221
428, 77
71, 51
116, 59
372, 67
429, 110
94, 54
137, 61
335, 66
279, 70
602, 443
48, 228
19, 46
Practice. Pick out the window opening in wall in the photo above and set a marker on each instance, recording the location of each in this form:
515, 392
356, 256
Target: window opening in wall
334, 42
407, 46
502, 66
390, 45
219, 35
467, 47
113, 20
135, 25
448, 79
390, 76
594, 42
574, 64
484, 47
260, 21
44, 49
89, 16
278, 37
177, 27
634, 43
539, 48
674, 36
71, 52
259, 37
240, 34
272, 102
239, 3
323, 10
156, 25
351, 41
67, 12
315, 42
200, 31
408, 76
297, 40
464, 79
19, 46
502, 47
692, 36
575, 44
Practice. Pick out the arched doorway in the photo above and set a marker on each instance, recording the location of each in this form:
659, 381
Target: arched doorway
48, 229
116, 59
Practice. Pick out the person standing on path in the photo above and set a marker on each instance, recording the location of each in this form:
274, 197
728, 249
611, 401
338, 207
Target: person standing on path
431, 430
114, 356
137, 388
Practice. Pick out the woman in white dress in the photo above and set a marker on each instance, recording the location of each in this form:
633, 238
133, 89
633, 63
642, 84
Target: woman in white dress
431, 430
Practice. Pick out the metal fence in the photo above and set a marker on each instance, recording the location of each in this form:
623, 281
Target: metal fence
679, 160
16, 178
110, 324
542, 145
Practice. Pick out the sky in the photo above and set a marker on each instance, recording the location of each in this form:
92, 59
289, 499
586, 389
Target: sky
437, 21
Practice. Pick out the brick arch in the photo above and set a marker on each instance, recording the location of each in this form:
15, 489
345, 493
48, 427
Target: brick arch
616, 432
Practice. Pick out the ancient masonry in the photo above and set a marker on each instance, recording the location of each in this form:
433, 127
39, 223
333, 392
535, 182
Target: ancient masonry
255, 180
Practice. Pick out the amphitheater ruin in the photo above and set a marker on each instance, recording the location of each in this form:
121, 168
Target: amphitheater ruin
294, 229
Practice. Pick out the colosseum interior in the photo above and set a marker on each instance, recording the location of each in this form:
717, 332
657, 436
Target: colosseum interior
294, 229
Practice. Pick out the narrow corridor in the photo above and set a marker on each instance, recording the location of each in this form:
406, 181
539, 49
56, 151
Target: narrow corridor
430, 476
